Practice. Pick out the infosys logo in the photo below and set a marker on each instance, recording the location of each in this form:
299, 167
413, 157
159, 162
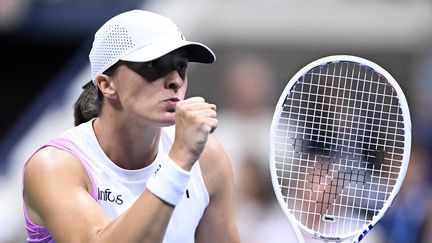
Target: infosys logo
108, 196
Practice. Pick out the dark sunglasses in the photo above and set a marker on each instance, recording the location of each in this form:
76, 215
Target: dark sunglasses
160, 67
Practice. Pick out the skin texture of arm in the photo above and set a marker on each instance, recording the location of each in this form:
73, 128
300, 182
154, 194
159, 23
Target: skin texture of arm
218, 223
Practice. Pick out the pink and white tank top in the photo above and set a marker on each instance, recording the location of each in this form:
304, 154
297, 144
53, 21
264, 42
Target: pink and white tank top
116, 189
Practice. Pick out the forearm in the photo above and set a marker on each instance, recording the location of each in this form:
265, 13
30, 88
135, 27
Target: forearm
145, 221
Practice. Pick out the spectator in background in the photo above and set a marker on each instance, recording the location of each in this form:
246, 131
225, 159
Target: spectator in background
245, 118
247, 109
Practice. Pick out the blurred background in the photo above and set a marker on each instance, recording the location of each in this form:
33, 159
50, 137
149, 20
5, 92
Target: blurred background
259, 47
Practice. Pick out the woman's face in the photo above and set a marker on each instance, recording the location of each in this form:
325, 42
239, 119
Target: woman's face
150, 90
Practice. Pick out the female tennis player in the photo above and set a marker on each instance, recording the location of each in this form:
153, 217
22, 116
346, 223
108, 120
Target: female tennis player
141, 165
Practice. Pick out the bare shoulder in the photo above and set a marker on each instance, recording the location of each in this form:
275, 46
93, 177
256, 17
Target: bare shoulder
53, 165
51, 161
215, 166
48, 171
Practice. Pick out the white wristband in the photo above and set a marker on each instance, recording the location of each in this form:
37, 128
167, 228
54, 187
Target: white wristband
169, 182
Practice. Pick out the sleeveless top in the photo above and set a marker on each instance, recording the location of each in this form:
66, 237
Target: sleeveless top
115, 189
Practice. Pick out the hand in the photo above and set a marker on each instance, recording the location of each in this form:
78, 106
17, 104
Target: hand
195, 120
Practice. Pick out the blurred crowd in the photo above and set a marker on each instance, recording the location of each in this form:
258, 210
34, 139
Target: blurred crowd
249, 102
244, 131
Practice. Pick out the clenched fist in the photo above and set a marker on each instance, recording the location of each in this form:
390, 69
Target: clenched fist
195, 119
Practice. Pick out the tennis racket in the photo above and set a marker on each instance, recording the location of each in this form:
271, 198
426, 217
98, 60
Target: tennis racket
340, 142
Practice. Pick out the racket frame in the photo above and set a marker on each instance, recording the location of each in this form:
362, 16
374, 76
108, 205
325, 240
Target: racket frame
355, 236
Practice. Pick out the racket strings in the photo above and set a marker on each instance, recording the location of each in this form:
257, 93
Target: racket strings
339, 147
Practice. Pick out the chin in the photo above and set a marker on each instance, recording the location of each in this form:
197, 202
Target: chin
167, 124
169, 120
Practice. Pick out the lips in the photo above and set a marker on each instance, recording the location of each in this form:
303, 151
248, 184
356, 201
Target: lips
174, 99
171, 103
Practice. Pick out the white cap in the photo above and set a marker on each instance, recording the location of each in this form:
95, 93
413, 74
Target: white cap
140, 36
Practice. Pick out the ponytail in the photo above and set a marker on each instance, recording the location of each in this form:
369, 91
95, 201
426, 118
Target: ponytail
88, 104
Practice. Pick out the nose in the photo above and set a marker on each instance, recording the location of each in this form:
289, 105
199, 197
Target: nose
174, 80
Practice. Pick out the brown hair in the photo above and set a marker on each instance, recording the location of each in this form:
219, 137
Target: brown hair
89, 103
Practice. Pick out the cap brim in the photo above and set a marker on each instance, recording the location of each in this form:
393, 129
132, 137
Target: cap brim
197, 52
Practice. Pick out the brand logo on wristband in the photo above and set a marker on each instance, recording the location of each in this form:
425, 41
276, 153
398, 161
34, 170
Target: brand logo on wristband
108, 196
157, 169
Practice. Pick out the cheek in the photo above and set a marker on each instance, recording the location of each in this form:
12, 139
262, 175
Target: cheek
181, 93
134, 95
183, 89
